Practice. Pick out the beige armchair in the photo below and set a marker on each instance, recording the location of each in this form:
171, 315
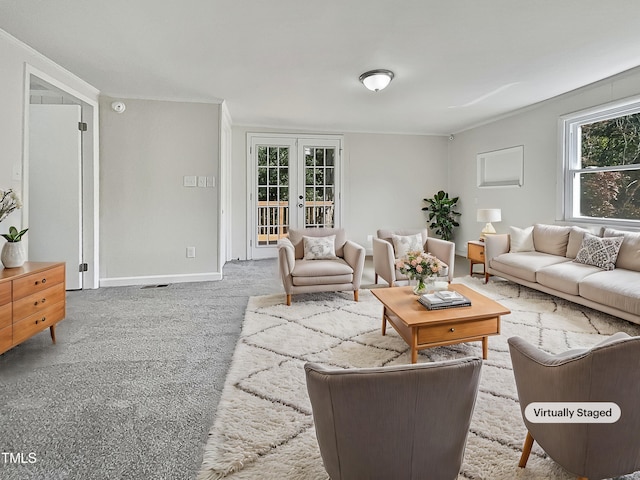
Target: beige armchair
303, 275
397, 422
607, 372
384, 255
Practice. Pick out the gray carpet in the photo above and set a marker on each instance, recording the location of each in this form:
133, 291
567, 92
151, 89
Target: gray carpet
130, 389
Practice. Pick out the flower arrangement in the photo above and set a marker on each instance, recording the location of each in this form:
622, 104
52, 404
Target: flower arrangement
419, 265
9, 201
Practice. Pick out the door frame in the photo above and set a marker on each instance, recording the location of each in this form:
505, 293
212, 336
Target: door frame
90, 171
252, 174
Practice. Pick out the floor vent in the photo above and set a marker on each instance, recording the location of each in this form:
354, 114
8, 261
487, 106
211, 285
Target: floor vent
162, 285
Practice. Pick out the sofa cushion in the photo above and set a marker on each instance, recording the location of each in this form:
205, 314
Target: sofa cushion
524, 265
321, 272
319, 248
521, 239
629, 255
575, 241
566, 276
403, 244
600, 252
619, 288
551, 239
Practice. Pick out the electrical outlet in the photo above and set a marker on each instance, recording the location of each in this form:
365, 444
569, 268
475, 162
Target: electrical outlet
202, 181
189, 181
191, 252
211, 181
370, 238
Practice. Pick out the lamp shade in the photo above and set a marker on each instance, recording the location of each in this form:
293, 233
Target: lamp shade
376, 80
488, 215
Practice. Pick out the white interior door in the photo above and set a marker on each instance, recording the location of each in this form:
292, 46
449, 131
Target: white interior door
55, 188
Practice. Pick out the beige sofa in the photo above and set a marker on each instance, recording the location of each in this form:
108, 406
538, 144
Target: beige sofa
551, 267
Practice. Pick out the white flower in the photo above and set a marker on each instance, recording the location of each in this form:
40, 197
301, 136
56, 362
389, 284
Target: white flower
9, 201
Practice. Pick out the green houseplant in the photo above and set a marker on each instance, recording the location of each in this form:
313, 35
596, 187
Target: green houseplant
14, 235
442, 214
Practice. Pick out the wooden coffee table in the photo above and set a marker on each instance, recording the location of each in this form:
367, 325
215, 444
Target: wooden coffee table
422, 328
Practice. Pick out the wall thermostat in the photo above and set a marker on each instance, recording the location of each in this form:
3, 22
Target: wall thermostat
118, 107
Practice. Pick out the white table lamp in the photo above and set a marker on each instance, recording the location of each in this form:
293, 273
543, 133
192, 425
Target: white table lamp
488, 215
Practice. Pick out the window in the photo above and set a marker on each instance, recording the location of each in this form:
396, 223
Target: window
602, 164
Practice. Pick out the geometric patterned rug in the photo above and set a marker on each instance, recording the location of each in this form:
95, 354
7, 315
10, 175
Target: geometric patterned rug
264, 425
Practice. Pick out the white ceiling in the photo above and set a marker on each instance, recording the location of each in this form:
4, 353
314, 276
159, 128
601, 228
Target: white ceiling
295, 63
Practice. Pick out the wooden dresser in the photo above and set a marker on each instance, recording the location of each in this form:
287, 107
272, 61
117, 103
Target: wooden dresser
32, 298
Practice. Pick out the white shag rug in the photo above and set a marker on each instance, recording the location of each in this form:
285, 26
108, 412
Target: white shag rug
264, 425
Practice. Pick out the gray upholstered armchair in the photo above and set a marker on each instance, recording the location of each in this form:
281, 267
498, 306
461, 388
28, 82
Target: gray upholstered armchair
384, 254
607, 372
400, 422
307, 268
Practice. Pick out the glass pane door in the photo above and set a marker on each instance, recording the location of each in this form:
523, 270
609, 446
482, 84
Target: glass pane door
293, 183
319, 186
273, 194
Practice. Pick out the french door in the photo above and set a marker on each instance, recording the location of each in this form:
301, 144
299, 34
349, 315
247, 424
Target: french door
293, 182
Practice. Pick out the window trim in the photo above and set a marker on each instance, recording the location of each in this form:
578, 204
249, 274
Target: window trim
570, 158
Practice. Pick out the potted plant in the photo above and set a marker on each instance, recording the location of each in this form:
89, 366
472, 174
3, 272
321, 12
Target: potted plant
12, 254
442, 214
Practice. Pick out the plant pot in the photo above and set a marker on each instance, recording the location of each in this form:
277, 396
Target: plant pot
12, 255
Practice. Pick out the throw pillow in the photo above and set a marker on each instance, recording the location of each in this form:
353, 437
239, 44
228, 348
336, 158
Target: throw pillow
521, 239
319, 248
599, 252
403, 244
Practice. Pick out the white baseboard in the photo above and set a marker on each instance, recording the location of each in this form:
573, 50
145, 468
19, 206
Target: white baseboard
159, 279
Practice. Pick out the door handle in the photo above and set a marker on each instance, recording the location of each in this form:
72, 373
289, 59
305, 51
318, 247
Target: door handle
300, 205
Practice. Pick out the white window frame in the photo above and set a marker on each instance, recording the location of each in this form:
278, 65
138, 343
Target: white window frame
570, 164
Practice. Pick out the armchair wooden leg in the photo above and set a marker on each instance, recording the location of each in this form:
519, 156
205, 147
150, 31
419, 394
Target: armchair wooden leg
526, 450
355, 295
288, 300
375, 279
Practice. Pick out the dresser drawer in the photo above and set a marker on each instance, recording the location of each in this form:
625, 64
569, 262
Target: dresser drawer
5, 338
458, 330
36, 302
39, 321
5, 315
37, 282
5, 293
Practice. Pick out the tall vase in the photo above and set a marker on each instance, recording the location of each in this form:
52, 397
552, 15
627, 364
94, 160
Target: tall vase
12, 255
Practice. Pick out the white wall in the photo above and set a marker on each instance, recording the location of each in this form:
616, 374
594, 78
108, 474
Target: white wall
148, 218
385, 179
537, 129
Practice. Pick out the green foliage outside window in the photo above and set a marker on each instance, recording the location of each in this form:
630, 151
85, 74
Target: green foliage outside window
610, 193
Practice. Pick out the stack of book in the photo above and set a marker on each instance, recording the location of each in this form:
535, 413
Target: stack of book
444, 299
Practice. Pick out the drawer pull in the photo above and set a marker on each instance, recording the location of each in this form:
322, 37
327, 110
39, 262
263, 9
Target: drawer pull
42, 320
43, 281
452, 329
35, 304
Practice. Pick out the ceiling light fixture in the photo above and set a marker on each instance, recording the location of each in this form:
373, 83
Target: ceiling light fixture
376, 80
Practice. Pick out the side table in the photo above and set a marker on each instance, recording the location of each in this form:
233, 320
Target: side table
475, 255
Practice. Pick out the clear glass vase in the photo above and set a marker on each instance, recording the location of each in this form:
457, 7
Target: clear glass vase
423, 285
